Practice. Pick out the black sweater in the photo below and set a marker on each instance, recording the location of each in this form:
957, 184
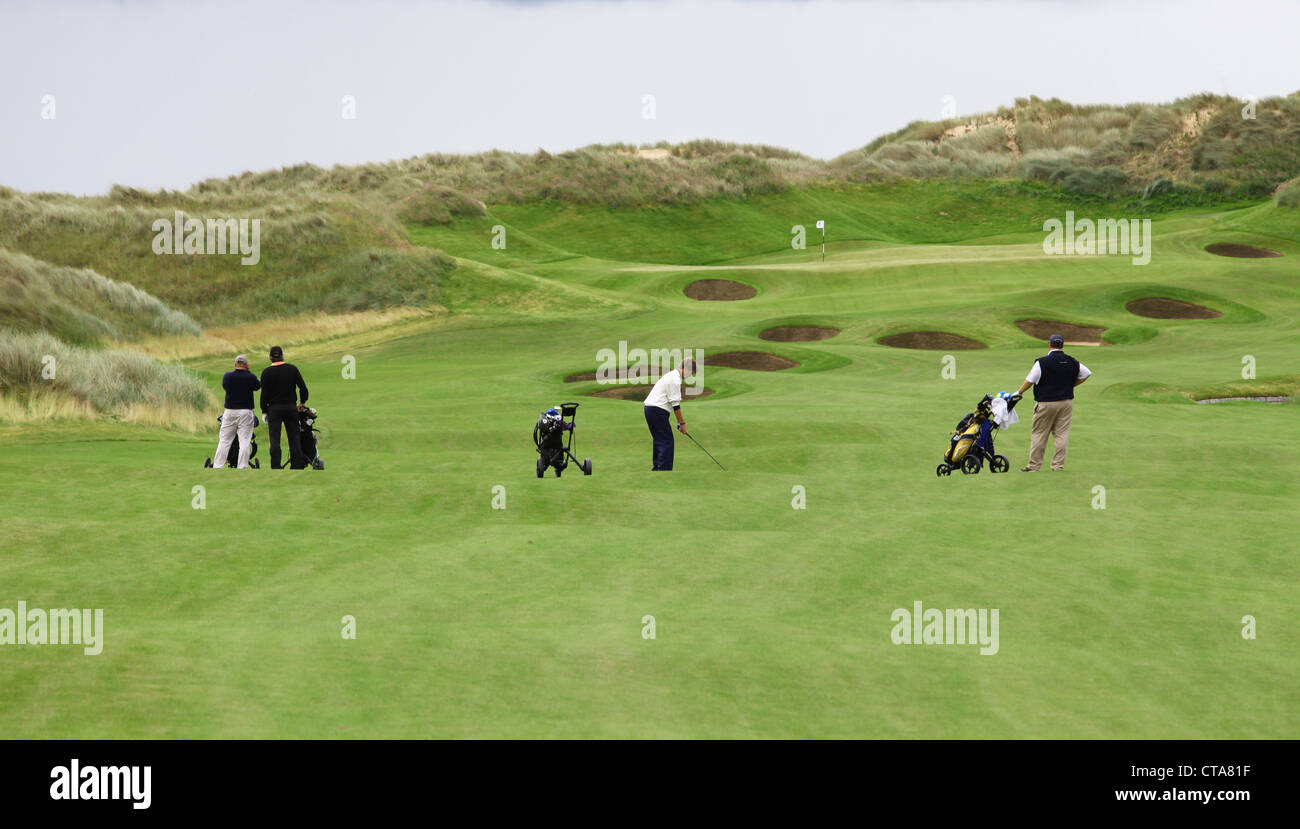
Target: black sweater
278, 384
239, 385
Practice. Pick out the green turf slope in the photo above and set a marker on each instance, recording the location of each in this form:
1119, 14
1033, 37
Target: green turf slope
770, 621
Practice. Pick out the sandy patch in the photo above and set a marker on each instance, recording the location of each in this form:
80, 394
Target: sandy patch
1240, 251
750, 360
638, 393
1163, 308
719, 290
1073, 334
621, 374
798, 333
931, 341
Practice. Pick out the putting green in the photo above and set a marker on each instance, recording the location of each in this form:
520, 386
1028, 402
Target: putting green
770, 621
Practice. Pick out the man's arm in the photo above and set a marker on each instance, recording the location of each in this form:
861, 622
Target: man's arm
302, 387
262, 397
1031, 379
1081, 380
675, 400
1084, 374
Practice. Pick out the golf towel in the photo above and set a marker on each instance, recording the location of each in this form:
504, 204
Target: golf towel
1003, 416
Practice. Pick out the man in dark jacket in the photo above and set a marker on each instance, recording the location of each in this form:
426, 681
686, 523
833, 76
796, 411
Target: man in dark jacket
1053, 377
238, 418
279, 382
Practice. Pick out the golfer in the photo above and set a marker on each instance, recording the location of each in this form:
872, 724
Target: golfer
666, 399
1053, 377
238, 417
279, 382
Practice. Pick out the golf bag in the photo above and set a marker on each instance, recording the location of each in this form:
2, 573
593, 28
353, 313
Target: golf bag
549, 435
971, 445
232, 457
307, 439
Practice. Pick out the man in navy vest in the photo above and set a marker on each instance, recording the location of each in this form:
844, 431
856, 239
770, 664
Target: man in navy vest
238, 419
1053, 377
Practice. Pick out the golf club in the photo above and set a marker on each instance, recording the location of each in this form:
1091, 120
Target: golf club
705, 451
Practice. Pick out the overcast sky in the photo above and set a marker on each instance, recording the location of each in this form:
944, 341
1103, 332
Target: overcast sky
157, 94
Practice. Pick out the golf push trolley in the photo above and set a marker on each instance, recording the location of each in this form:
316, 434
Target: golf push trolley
971, 445
554, 449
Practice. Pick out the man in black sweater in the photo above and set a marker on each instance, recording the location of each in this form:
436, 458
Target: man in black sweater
279, 381
1053, 376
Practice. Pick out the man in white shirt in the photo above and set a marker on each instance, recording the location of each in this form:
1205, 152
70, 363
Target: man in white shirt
1053, 377
663, 400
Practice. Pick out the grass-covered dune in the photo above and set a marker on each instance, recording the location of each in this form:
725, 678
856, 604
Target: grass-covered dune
45, 379
318, 253
1196, 147
56, 327
1201, 148
80, 305
339, 240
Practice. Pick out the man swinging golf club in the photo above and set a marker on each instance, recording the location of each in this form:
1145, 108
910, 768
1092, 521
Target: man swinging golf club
663, 400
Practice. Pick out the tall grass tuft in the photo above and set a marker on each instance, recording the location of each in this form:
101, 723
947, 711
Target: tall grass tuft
1289, 194
37, 368
80, 305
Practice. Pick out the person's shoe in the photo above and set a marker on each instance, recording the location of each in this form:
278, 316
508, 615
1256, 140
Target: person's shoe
1027, 469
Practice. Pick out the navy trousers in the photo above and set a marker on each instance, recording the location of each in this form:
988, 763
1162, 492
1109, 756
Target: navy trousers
661, 432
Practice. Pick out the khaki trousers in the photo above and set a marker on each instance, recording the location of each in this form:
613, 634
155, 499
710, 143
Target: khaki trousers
1050, 418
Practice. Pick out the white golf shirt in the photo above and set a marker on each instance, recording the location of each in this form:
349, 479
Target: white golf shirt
667, 392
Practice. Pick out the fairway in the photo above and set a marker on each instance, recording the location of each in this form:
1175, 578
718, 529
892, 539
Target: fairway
770, 621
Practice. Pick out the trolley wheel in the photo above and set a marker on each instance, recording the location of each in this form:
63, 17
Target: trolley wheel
943, 469
999, 464
970, 465
586, 466
541, 467
207, 463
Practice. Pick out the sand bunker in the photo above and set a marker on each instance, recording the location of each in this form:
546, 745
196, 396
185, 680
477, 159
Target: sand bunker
621, 374
1163, 308
751, 360
1240, 251
1269, 399
930, 341
720, 290
1074, 334
798, 333
638, 392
